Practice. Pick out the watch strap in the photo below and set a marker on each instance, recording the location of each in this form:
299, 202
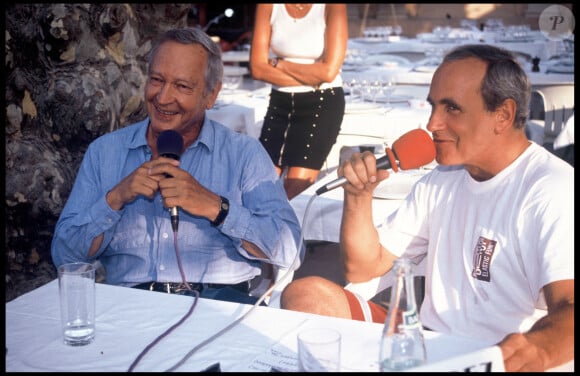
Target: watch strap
224, 210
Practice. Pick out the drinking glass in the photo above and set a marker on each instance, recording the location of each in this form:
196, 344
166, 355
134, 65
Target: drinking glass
398, 30
375, 87
366, 94
389, 84
231, 82
76, 284
319, 350
354, 86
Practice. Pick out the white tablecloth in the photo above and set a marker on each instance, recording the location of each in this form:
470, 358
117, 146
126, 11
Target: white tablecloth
244, 111
128, 320
321, 219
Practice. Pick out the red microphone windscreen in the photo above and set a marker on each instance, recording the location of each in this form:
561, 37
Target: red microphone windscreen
414, 149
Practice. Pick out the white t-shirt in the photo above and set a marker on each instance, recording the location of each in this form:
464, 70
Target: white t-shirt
491, 246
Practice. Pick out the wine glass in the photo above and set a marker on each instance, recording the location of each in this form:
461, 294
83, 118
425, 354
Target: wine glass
375, 87
366, 90
389, 84
231, 82
398, 30
353, 86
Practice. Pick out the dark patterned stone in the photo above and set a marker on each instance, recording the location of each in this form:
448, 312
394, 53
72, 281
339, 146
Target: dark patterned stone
73, 72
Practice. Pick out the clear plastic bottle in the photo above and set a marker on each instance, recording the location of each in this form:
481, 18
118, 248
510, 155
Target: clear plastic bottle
402, 343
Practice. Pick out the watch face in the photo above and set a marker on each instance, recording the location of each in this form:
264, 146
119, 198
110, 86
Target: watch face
225, 206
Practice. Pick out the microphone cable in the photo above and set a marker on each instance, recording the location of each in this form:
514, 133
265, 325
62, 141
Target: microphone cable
260, 300
182, 320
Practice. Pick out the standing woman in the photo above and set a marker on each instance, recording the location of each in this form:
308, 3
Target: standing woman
299, 49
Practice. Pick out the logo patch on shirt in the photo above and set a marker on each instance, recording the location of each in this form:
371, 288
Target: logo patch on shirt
482, 258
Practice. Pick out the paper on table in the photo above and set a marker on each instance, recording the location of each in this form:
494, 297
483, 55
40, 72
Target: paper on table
489, 359
283, 356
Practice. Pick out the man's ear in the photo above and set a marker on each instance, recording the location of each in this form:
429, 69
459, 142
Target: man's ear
505, 115
213, 96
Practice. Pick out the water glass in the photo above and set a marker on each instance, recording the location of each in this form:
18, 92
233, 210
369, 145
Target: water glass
76, 284
398, 30
389, 86
355, 89
232, 82
319, 350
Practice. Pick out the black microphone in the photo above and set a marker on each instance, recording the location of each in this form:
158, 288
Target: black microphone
170, 145
412, 150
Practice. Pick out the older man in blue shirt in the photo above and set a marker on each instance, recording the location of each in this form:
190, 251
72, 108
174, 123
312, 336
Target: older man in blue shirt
233, 210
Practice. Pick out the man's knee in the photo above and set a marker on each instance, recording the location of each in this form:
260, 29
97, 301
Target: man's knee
315, 295
302, 292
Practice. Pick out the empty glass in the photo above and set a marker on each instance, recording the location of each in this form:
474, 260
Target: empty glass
319, 350
76, 282
398, 30
389, 84
232, 82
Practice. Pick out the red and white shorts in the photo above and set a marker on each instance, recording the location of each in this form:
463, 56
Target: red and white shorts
364, 310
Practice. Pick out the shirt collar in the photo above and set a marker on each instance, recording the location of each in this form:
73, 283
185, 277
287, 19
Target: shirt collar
206, 136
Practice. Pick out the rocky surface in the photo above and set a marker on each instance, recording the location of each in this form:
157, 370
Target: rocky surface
72, 72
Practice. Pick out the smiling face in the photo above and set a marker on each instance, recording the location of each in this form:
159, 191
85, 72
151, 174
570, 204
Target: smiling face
175, 90
462, 128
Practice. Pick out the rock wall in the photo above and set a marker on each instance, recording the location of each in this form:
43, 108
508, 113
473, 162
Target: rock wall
72, 73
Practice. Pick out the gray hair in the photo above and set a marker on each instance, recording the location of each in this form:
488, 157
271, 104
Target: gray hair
504, 78
214, 70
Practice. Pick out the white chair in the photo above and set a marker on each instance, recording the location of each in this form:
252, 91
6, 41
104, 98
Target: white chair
550, 108
535, 124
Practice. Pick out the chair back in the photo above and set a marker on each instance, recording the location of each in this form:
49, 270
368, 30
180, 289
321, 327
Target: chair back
558, 106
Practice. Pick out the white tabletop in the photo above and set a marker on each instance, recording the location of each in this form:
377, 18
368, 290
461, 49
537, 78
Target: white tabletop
128, 320
411, 74
236, 56
243, 111
320, 216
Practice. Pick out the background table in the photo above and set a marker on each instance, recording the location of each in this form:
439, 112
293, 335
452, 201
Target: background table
321, 221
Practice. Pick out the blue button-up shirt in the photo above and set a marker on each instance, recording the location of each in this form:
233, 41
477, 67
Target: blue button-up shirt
138, 243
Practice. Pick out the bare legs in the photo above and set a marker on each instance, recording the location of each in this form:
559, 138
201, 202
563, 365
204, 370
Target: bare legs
316, 295
298, 179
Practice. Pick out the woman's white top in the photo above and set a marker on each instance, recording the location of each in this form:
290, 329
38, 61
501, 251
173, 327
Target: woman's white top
299, 40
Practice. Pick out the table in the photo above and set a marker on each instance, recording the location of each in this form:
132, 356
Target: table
243, 109
321, 221
373, 126
236, 57
370, 48
127, 320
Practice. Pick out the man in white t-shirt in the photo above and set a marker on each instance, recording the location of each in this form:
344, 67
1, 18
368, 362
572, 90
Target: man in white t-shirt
494, 220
